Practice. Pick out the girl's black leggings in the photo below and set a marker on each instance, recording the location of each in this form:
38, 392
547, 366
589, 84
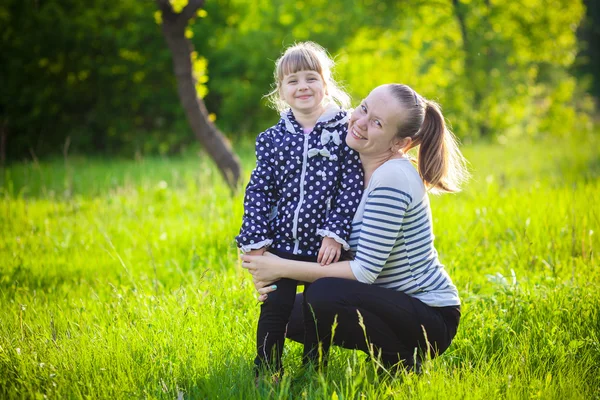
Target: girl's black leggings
396, 325
274, 316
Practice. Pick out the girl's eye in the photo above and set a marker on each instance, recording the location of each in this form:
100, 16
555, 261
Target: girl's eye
377, 123
363, 108
292, 81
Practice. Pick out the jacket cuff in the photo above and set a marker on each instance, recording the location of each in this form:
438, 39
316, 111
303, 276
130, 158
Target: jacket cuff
326, 233
254, 246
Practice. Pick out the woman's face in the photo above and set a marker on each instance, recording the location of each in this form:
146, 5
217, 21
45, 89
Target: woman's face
374, 123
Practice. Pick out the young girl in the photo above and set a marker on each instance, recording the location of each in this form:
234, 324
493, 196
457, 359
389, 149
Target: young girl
305, 188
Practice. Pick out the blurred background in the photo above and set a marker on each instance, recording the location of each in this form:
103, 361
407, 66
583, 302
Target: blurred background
98, 75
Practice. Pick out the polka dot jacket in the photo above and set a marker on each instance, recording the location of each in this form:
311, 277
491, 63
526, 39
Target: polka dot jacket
304, 186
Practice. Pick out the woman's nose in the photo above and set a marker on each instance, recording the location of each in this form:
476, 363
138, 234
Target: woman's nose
361, 121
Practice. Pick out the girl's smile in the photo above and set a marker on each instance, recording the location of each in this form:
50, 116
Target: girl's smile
304, 92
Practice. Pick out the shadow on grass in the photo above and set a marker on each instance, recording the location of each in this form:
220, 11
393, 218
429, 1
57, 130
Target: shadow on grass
23, 276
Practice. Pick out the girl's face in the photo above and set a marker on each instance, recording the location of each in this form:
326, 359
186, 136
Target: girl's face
303, 91
374, 123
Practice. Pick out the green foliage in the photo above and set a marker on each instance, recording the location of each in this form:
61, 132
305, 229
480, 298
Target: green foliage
100, 73
245, 47
497, 68
120, 279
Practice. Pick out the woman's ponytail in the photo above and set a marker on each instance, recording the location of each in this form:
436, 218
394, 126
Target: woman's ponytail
441, 164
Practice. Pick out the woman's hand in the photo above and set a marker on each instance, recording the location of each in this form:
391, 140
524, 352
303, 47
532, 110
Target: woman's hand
265, 269
257, 252
263, 293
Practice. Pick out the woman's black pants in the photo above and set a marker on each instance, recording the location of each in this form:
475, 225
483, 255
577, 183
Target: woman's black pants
400, 328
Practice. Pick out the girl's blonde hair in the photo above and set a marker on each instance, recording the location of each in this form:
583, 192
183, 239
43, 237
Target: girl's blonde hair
440, 163
307, 56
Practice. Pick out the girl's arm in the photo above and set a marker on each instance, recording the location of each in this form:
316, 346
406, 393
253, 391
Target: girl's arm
270, 268
259, 199
345, 199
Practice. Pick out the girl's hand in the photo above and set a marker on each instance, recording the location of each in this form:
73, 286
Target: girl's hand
265, 269
329, 252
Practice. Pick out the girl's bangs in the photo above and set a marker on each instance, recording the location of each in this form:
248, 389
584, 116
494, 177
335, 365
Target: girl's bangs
298, 61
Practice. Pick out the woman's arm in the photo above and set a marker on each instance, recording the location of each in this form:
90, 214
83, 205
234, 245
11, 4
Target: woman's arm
269, 268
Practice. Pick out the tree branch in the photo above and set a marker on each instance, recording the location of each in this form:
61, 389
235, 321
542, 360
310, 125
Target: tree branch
179, 19
190, 9
164, 6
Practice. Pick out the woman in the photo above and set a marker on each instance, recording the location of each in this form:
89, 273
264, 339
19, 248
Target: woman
395, 283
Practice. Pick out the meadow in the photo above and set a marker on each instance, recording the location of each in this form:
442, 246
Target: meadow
121, 279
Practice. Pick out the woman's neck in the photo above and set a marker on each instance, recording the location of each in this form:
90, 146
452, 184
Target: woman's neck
371, 163
308, 120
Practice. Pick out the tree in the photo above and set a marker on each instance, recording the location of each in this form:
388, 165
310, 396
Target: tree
97, 72
588, 59
173, 27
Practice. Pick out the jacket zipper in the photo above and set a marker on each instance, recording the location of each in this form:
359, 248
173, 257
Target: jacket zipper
301, 200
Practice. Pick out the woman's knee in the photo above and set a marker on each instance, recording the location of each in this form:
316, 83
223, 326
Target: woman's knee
324, 292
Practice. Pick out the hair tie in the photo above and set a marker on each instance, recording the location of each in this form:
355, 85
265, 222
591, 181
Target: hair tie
415, 95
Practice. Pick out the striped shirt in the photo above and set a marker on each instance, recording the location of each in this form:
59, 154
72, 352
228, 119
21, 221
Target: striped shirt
392, 237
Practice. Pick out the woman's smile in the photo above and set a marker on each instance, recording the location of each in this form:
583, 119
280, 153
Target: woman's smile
357, 135
374, 123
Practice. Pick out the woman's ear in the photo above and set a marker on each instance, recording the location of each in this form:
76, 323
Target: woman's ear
406, 144
401, 145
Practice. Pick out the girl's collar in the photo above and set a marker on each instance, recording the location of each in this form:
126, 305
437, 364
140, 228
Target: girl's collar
333, 115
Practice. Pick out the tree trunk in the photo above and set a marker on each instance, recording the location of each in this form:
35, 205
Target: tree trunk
3, 137
490, 58
478, 88
468, 62
217, 146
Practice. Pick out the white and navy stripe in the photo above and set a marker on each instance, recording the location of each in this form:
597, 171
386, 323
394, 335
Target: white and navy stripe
393, 240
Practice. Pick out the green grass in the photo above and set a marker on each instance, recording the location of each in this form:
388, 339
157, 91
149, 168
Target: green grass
121, 279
